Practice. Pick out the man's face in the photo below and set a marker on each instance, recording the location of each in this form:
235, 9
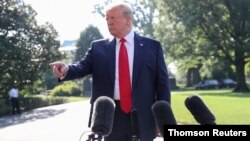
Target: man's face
117, 23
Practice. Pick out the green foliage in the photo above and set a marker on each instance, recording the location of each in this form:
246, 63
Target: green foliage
5, 107
49, 80
207, 29
248, 69
26, 48
87, 36
68, 88
31, 102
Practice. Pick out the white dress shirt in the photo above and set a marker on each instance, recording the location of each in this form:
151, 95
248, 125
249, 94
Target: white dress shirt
130, 50
13, 93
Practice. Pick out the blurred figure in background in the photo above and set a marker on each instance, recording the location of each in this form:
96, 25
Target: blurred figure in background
14, 98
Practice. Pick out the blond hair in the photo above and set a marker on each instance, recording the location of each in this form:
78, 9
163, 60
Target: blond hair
125, 6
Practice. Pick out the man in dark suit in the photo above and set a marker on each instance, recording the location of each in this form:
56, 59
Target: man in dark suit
148, 76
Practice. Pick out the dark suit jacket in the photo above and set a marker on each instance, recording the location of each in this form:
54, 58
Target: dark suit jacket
150, 77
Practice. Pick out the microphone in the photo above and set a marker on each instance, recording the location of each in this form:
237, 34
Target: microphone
135, 125
163, 115
199, 110
103, 115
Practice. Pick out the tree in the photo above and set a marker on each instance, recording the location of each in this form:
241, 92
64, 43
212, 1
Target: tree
221, 29
26, 48
87, 36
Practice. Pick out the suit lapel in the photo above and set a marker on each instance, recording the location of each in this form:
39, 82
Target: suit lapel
110, 52
138, 56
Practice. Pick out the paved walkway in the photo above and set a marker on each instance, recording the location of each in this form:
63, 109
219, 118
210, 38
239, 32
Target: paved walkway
65, 122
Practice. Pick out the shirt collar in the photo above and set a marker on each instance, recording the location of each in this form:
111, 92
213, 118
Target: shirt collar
129, 37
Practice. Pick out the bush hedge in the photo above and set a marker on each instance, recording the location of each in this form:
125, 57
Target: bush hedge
31, 102
68, 88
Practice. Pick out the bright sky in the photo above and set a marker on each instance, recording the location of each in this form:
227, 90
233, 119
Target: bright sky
69, 17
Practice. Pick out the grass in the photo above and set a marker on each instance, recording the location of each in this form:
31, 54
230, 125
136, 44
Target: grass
75, 98
228, 107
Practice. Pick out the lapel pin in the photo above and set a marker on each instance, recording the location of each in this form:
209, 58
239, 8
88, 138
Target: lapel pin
141, 44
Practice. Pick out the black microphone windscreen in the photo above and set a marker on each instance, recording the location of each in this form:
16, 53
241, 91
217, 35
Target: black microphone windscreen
135, 124
163, 115
103, 116
199, 110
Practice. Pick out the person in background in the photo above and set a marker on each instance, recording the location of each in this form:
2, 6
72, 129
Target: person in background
142, 75
14, 98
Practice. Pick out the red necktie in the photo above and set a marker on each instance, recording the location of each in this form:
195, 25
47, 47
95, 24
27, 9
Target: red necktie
124, 79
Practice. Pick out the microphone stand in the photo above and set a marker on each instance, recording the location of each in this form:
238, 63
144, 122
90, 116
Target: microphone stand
94, 137
135, 125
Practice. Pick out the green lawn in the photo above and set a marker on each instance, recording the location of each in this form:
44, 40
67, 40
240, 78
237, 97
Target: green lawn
75, 98
228, 107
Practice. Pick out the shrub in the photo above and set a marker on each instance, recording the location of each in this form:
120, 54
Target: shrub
31, 102
68, 88
5, 107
